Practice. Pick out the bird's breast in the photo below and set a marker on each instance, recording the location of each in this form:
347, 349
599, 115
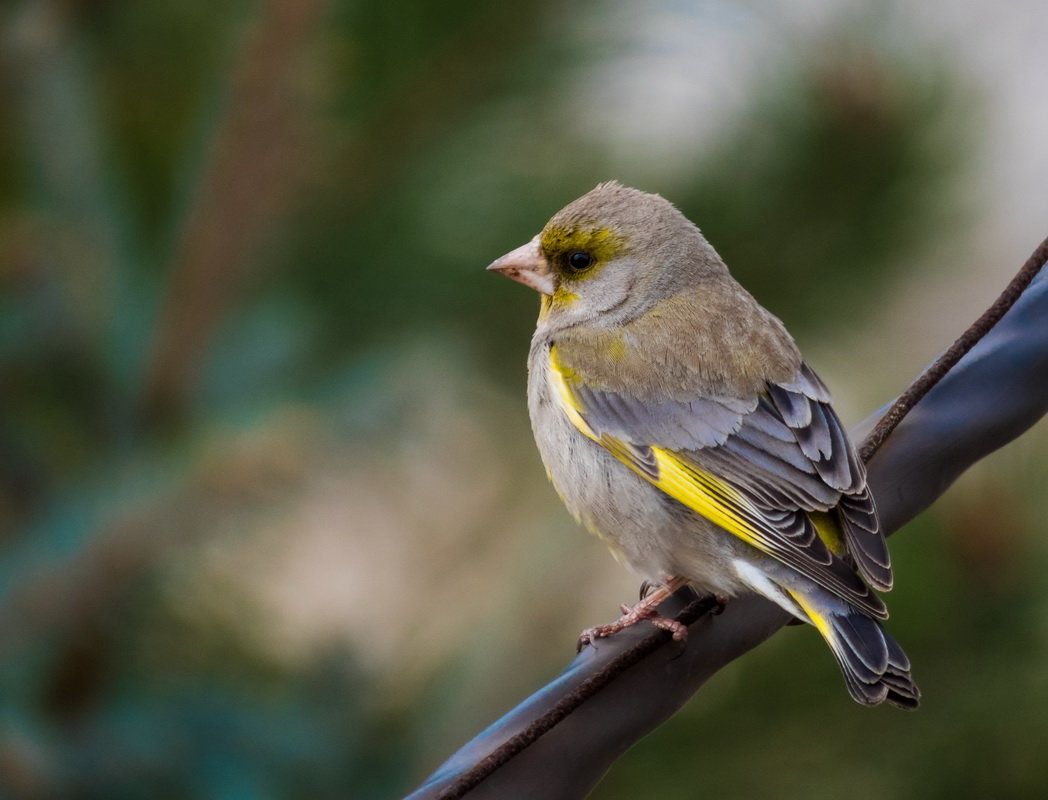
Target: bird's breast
644, 527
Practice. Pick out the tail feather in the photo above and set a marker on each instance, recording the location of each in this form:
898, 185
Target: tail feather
902, 691
896, 657
875, 668
865, 642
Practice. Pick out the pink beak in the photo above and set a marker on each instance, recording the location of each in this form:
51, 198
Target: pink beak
527, 265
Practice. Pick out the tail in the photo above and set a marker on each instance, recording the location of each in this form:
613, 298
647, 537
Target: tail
875, 668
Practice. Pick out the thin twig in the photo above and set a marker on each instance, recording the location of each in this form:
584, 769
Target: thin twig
931, 376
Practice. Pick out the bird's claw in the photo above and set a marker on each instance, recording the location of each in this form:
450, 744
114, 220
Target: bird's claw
631, 616
721, 601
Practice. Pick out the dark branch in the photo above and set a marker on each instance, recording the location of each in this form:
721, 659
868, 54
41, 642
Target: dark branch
651, 642
987, 399
931, 376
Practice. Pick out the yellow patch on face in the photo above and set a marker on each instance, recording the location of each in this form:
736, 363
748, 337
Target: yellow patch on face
562, 298
600, 243
545, 301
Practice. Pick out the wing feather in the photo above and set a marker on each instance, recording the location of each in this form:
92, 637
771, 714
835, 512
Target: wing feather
758, 468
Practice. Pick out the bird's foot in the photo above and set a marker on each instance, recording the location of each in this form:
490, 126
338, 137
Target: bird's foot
722, 602
630, 617
646, 610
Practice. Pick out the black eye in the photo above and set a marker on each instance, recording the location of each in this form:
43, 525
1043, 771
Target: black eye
579, 261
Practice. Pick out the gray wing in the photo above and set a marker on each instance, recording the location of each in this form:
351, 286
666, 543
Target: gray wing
786, 450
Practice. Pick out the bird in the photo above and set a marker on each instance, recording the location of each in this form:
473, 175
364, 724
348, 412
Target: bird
678, 421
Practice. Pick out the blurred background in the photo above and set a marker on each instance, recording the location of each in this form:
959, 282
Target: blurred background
272, 524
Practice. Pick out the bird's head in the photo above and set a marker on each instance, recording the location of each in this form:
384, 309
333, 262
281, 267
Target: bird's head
610, 255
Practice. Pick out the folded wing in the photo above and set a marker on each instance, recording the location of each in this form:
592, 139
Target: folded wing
776, 470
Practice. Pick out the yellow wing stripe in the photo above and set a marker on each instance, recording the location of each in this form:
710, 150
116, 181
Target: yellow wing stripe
703, 493
567, 397
816, 618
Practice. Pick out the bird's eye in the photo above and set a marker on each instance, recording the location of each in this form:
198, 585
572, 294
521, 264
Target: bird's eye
579, 261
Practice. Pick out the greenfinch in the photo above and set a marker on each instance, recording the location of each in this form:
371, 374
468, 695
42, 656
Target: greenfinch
678, 421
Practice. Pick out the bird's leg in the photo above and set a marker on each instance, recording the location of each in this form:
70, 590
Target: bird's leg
646, 609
